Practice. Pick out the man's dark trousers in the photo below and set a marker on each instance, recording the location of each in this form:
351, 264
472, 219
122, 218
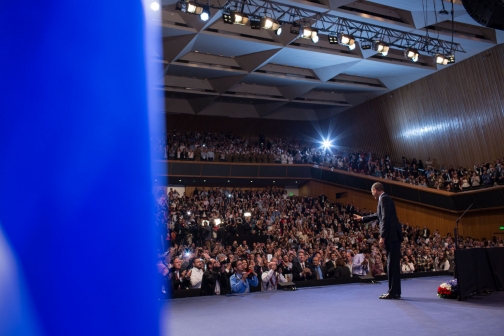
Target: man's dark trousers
394, 267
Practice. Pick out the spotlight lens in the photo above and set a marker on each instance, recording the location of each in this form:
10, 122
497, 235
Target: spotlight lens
279, 31
204, 16
307, 33
268, 24
315, 37
351, 46
238, 18
345, 39
191, 8
154, 6
415, 58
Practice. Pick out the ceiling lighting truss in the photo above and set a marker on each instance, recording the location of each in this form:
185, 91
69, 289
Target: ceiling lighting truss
333, 25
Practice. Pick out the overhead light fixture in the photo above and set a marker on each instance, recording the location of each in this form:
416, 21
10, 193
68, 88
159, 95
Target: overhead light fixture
269, 23
226, 17
441, 59
381, 48
205, 13
193, 8
279, 31
411, 54
365, 46
239, 18
346, 40
255, 24
333, 39
309, 33
154, 6
450, 58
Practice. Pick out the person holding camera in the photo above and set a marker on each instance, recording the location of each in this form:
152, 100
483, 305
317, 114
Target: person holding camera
241, 281
213, 279
272, 277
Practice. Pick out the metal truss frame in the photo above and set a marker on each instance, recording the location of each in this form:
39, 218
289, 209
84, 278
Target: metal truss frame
332, 25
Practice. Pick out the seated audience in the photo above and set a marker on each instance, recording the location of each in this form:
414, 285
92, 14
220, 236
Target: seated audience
278, 226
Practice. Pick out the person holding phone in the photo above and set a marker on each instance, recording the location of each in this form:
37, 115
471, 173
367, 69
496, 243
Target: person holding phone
242, 280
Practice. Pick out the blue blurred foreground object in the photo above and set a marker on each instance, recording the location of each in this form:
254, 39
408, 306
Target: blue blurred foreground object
77, 233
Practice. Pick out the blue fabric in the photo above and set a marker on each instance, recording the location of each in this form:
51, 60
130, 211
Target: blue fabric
238, 286
75, 183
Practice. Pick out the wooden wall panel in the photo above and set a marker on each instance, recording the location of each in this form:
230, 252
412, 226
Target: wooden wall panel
245, 126
455, 116
475, 224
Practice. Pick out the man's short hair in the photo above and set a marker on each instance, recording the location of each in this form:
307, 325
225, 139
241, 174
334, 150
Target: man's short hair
233, 264
378, 186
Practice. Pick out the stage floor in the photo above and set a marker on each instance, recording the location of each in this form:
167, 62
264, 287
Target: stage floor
352, 309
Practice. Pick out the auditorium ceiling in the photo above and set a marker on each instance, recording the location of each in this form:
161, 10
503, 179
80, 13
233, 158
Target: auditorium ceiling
213, 68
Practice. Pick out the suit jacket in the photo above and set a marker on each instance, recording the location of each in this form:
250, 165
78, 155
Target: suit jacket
296, 271
390, 228
178, 283
322, 270
329, 266
209, 280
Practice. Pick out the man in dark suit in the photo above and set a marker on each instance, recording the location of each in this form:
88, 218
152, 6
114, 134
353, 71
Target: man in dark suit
390, 237
213, 279
331, 265
301, 269
425, 232
179, 277
318, 270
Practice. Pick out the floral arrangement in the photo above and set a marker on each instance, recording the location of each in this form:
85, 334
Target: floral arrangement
448, 290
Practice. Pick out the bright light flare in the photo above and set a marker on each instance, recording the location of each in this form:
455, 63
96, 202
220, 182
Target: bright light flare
326, 144
155, 6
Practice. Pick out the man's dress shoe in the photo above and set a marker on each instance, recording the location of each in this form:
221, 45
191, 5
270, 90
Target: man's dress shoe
390, 297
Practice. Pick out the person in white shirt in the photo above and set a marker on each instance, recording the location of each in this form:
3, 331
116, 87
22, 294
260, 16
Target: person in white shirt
197, 274
271, 278
360, 263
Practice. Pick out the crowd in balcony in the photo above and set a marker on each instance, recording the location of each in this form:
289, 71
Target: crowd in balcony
220, 241
195, 146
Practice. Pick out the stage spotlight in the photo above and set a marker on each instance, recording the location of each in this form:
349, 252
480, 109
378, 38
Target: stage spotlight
346, 40
269, 23
278, 31
255, 24
333, 39
309, 33
239, 18
365, 46
205, 14
441, 59
450, 58
217, 221
247, 214
381, 48
154, 6
411, 54
226, 17
326, 144
194, 8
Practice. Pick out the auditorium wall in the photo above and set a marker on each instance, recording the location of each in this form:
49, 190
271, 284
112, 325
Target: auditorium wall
455, 115
252, 127
477, 224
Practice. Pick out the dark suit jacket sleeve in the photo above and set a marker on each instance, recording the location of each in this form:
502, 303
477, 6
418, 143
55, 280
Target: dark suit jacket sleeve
369, 218
296, 270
